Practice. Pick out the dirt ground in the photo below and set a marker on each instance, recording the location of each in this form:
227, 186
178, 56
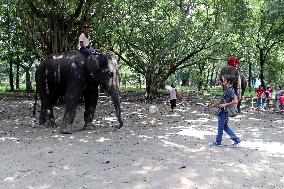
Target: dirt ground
159, 150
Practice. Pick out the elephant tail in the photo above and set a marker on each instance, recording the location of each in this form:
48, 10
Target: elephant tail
36, 94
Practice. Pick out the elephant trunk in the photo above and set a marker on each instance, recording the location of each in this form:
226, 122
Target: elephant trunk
115, 100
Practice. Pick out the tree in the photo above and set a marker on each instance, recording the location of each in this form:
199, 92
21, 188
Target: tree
56, 27
266, 30
167, 37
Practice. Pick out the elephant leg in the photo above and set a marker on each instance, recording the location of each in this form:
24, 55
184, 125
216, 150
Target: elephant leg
42, 116
43, 108
72, 96
46, 114
50, 116
91, 100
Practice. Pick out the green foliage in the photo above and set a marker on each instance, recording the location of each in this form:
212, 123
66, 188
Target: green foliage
161, 41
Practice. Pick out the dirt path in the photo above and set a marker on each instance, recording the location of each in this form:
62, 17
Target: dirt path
160, 150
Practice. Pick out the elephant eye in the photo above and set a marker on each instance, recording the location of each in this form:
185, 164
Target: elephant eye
109, 74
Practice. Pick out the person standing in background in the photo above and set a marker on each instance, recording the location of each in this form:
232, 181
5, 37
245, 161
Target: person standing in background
173, 97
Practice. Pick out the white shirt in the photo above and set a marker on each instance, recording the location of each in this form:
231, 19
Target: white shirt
173, 93
86, 41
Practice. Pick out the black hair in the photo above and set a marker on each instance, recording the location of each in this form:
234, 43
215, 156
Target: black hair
86, 26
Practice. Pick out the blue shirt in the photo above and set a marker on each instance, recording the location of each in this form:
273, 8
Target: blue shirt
228, 96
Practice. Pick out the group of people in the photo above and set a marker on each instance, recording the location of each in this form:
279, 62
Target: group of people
264, 95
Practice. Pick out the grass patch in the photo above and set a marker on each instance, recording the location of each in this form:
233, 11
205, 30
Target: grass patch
16, 95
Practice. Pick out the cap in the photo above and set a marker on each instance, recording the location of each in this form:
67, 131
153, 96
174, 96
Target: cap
233, 61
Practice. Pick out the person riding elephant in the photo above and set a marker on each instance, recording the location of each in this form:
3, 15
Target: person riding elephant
84, 45
71, 75
233, 61
239, 81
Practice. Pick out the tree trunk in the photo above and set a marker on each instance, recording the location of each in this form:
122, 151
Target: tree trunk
151, 88
11, 76
185, 82
199, 85
140, 82
28, 81
55, 28
17, 76
216, 82
162, 85
250, 77
261, 63
212, 75
207, 78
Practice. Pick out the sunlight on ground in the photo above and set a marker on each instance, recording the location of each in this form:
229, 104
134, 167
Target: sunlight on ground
203, 120
83, 140
195, 133
110, 119
9, 179
172, 115
102, 139
274, 148
9, 138
279, 121
252, 118
190, 180
147, 169
44, 186
144, 136
182, 147
180, 110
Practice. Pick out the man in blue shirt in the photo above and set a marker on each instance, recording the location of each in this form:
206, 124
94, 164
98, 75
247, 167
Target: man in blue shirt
228, 99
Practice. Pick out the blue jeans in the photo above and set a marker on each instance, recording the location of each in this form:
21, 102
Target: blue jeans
86, 51
223, 126
260, 103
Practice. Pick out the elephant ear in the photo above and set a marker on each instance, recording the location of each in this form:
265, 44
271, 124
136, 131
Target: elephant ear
93, 63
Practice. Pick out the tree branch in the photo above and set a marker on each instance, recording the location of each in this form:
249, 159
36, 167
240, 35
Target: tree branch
35, 10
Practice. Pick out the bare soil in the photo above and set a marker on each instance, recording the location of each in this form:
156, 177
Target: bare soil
159, 150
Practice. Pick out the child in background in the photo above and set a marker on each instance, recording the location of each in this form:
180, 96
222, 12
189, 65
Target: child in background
260, 95
281, 102
277, 95
268, 96
173, 97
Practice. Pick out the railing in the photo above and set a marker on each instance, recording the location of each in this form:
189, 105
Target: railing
266, 103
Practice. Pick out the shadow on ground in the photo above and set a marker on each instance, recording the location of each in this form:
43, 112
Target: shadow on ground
160, 150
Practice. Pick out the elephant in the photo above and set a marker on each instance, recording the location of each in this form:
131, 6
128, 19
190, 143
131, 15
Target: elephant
72, 75
239, 84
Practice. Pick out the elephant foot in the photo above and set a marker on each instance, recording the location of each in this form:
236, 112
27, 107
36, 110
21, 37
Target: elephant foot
66, 130
118, 126
41, 122
51, 124
89, 126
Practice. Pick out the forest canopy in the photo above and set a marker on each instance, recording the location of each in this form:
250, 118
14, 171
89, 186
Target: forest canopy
156, 42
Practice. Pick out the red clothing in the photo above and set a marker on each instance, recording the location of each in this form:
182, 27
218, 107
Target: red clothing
233, 61
259, 92
269, 92
281, 100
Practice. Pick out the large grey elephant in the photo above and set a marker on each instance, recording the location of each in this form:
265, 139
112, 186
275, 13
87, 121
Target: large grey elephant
239, 84
73, 75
